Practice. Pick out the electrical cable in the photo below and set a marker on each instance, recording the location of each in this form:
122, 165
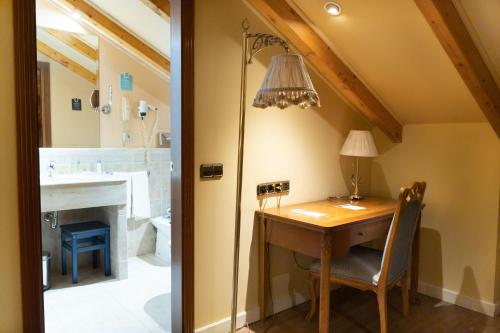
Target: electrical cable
147, 140
262, 206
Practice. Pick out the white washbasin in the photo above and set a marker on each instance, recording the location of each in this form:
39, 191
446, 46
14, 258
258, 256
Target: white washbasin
80, 179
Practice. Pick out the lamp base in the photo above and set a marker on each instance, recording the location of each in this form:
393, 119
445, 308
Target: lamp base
356, 197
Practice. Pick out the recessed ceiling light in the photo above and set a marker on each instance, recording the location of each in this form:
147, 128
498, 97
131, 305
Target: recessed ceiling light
76, 16
333, 8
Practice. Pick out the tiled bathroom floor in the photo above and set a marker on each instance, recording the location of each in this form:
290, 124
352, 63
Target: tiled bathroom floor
139, 304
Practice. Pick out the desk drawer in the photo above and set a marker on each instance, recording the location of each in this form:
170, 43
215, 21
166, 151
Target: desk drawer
368, 231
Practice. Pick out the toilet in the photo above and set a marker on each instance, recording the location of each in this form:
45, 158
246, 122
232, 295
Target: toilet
163, 237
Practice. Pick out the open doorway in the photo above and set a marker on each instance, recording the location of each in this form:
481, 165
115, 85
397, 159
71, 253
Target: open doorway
104, 203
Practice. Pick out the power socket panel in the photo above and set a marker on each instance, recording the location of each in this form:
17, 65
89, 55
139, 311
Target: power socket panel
273, 189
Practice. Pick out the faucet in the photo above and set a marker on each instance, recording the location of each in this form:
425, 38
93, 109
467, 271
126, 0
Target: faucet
52, 218
52, 168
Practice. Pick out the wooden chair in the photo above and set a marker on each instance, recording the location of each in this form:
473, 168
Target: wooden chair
368, 269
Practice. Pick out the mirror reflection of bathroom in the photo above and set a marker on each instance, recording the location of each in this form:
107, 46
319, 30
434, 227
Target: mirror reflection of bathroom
104, 137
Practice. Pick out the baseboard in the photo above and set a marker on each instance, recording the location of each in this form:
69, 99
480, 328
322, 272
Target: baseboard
251, 316
450, 296
281, 304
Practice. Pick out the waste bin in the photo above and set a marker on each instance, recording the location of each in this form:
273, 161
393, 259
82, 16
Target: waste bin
46, 270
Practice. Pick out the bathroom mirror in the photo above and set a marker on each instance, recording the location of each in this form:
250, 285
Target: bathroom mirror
67, 75
90, 83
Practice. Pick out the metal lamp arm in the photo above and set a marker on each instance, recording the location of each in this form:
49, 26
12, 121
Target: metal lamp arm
260, 42
263, 41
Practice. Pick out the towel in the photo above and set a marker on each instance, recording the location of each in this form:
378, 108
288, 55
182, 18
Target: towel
141, 207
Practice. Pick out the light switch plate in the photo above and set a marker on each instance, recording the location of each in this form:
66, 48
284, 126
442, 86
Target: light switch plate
211, 171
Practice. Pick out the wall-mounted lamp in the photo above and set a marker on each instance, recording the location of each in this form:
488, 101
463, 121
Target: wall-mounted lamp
333, 8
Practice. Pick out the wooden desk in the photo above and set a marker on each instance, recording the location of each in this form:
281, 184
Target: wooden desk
321, 230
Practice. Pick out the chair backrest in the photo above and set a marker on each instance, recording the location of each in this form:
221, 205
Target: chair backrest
399, 241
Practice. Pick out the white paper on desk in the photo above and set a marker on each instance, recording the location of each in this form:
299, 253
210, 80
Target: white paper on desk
351, 207
308, 212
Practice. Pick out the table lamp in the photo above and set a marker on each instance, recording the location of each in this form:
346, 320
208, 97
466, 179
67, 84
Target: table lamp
358, 144
286, 83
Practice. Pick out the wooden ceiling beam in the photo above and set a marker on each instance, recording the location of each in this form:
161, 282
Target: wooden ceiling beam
160, 7
308, 43
453, 35
75, 43
109, 28
66, 62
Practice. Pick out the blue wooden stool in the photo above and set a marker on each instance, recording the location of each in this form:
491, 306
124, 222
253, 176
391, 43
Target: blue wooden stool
95, 235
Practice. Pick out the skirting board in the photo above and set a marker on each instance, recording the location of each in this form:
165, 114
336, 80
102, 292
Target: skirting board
251, 316
446, 295
450, 296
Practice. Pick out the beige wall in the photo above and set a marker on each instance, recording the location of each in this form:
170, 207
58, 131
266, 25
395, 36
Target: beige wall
295, 144
10, 284
71, 128
147, 85
460, 163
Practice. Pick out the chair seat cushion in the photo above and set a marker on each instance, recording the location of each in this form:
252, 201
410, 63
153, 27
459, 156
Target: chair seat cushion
360, 264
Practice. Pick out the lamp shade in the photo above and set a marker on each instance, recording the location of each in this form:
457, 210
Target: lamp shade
359, 143
286, 83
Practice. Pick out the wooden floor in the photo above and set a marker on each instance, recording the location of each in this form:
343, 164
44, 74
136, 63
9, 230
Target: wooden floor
356, 311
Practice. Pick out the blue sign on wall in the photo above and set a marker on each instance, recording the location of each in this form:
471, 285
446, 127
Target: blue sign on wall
126, 82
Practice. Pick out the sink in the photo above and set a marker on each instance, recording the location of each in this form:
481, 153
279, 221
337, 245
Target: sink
80, 179
82, 190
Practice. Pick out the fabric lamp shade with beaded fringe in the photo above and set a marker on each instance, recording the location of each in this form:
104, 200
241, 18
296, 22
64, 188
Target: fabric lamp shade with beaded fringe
286, 83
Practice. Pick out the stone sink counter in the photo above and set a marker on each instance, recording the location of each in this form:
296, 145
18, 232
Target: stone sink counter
85, 190
80, 178
105, 192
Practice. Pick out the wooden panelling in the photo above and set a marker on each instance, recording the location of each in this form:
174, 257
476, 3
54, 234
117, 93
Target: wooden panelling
451, 32
160, 7
308, 43
27, 164
182, 120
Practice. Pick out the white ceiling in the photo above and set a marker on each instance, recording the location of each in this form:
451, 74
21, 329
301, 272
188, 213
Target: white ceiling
140, 20
50, 16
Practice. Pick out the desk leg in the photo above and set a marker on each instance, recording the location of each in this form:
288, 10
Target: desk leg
414, 264
262, 270
324, 284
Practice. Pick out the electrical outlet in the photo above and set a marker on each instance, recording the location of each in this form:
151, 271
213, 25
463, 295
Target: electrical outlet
273, 188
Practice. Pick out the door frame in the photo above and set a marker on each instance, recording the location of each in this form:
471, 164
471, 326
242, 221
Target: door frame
182, 152
43, 68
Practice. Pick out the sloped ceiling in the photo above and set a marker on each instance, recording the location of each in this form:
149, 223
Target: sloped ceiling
66, 50
391, 47
140, 20
482, 19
